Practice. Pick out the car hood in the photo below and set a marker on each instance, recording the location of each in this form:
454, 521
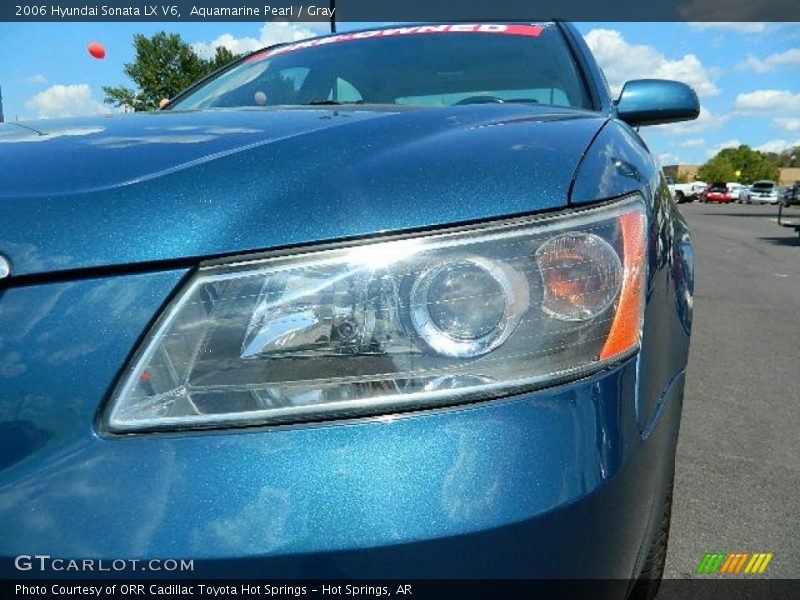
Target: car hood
127, 189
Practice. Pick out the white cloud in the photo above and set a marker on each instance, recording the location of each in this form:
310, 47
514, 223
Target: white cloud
777, 146
37, 79
706, 121
66, 101
787, 123
712, 151
768, 102
270, 33
735, 26
692, 143
788, 58
622, 61
667, 158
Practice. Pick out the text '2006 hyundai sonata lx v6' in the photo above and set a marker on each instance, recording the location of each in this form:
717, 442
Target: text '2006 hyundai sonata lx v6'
407, 302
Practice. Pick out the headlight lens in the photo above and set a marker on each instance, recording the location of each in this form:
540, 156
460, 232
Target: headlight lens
581, 276
468, 308
379, 327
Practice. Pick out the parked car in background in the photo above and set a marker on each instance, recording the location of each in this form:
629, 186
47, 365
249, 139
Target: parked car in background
717, 192
762, 192
686, 192
735, 190
425, 312
744, 191
791, 194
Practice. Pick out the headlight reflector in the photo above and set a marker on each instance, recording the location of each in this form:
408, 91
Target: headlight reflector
418, 321
581, 276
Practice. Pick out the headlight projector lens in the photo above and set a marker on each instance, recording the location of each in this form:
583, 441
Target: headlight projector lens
468, 308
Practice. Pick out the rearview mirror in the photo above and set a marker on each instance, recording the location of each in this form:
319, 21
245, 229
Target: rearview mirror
656, 101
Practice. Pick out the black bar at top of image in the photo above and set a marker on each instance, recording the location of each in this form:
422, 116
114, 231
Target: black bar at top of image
399, 10
698, 588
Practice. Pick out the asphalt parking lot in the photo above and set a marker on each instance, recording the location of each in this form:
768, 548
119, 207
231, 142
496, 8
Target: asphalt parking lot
738, 469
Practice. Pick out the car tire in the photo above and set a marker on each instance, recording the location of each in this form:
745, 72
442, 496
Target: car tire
680, 198
649, 581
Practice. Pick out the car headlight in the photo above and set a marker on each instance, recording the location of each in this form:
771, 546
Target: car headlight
393, 324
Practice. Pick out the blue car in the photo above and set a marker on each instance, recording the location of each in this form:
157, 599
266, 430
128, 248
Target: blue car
408, 302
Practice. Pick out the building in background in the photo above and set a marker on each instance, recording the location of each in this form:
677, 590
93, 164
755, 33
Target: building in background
789, 175
685, 173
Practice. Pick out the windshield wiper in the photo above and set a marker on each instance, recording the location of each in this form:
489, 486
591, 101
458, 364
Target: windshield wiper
332, 102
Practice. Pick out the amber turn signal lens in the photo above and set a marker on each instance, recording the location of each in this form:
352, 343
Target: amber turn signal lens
626, 326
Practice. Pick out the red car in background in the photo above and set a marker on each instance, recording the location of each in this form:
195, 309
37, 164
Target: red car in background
717, 192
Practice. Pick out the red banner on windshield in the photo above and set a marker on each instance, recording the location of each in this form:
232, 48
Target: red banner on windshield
510, 29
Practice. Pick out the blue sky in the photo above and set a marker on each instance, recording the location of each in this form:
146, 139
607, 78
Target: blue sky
747, 74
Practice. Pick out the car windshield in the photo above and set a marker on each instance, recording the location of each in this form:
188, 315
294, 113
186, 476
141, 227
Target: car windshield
764, 186
718, 187
428, 65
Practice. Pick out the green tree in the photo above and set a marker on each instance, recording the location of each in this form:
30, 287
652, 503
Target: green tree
786, 158
752, 164
222, 57
164, 65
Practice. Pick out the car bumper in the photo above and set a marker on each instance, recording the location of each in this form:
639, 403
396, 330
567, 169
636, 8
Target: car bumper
563, 482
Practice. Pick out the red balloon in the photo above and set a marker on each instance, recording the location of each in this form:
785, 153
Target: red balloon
96, 49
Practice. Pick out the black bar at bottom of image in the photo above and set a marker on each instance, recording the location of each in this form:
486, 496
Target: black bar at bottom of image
417, 589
